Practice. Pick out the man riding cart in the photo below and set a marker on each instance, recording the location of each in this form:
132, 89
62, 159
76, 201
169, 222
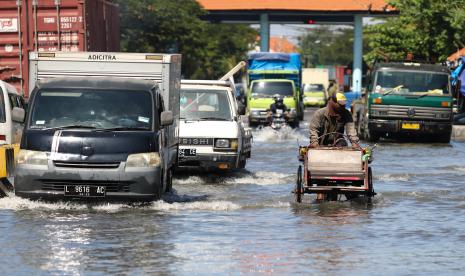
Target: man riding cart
331, 168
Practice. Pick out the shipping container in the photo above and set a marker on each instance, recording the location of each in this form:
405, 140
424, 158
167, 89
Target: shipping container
53, 25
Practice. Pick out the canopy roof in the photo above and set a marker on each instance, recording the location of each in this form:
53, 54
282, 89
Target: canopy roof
355, 6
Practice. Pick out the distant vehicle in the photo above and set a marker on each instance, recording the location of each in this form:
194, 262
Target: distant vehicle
100, 129
12, 109
260, 97
211, 132
315, 95
407, 100
274, 66
316, 76
240, 93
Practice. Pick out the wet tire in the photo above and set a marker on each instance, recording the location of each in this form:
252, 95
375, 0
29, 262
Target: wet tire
298, 186
373, 136
242, 163
371, 191
442, 138
169, 181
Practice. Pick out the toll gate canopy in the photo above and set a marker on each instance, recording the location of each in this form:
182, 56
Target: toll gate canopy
341, 12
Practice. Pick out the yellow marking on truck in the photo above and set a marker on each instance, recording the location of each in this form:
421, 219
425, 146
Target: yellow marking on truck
411, 126
8, 161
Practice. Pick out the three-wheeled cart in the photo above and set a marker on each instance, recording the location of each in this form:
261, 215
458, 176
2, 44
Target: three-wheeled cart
331, 172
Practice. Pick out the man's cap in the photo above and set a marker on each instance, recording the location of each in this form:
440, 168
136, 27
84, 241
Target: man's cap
341, 98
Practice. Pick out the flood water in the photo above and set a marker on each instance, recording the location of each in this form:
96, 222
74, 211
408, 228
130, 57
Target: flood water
247, 223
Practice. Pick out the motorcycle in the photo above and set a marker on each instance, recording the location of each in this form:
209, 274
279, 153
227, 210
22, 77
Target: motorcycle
278, 120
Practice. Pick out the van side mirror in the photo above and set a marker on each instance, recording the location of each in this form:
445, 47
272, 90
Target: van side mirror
166, 118
18, 114
241, 108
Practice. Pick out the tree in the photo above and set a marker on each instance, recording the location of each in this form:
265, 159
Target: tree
429, 29
168, 26
325, 46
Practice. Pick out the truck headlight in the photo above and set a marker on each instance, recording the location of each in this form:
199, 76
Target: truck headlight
222, 143
226, 143
31, 157
148, 159
255, 112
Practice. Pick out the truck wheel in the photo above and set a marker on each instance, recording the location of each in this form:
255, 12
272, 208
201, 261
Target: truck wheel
169, 180
373, 136
442, 138
295, 124
298, 186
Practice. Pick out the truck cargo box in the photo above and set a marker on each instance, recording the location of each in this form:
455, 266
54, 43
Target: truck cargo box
165, 69
52, 25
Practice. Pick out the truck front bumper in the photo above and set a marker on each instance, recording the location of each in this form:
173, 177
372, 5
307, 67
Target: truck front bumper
408, 127
135, 184
208, 162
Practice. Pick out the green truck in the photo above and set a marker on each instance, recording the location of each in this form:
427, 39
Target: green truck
269, 74
406, 100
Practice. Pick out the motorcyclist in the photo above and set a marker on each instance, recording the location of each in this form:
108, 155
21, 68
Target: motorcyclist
328, 124
278, 107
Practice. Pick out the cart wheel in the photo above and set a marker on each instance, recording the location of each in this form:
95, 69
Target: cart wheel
371, 192
298, 186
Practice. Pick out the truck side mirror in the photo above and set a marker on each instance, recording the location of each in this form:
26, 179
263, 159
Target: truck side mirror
241, 108
166, 118
18, 114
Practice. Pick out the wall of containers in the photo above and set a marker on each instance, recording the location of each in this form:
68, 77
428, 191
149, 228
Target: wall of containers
53, 25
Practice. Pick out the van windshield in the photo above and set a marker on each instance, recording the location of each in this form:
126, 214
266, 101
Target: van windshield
2, 107
92, 108
314, 88
198, 104
412, 82
270, 88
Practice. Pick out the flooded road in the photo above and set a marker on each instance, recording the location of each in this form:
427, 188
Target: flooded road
247, 223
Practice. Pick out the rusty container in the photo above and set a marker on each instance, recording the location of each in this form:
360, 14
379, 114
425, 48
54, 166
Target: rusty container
53, 25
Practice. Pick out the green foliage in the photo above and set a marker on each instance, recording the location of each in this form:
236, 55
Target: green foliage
175, 26
325, 46
429, 29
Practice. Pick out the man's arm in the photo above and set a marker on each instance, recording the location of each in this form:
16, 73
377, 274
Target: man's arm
315, 124
352, 134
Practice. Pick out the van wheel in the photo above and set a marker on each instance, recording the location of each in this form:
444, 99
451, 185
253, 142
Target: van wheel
242, 163
169, 180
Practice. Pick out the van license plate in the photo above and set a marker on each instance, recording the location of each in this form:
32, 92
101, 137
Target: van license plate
187, 152
411, 126
85, 191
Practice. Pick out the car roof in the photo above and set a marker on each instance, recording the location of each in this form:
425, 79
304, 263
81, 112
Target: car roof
412, 66
97, 83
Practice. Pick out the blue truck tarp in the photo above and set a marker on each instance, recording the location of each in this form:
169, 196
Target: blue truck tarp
276, 62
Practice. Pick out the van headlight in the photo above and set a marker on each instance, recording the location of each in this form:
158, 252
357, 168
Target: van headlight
144, 160
31, 157
224, 143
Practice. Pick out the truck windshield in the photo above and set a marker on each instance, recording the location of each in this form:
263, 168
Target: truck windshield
270, 88
314, 88
412, 82
2, 107
92, 109
198, 104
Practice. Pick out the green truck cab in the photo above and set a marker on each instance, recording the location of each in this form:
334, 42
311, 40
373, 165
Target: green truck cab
408, 100
260, 97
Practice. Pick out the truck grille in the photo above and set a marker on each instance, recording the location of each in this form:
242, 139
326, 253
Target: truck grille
110, 186
411, 112
64, 164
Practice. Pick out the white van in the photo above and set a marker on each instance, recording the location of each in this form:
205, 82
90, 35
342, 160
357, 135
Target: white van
12, 109
211, 132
